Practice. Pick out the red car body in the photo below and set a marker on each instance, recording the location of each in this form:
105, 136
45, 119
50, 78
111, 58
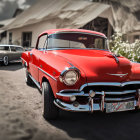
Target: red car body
105, 81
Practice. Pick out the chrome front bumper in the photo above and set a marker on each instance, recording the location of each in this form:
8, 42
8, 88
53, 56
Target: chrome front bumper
81, 108
105, 97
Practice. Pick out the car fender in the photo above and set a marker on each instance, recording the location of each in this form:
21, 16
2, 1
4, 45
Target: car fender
25, 58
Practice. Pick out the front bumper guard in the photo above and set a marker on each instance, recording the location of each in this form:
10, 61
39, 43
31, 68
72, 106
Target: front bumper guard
89, 107
81, 108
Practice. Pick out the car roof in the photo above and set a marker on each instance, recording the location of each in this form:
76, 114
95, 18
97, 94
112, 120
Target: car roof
53, 31
11, 45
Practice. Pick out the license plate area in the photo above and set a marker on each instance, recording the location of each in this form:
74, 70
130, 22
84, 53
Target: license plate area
119, 106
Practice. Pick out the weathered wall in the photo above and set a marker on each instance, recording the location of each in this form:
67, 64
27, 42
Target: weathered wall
36, 29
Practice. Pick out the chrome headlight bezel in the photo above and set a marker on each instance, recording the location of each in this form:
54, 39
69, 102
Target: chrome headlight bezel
64, 74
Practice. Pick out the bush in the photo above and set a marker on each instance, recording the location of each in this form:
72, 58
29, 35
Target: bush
124, 48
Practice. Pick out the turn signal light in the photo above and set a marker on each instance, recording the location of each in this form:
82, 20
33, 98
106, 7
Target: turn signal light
72, 98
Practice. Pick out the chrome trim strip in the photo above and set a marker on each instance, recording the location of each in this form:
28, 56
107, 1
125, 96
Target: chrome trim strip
62, 93
47, 74
71, 64
71, 94
68, 90
37, 84
119, 99
83, 86
118, 93
120, 75
23, 59
42, 70
109, 84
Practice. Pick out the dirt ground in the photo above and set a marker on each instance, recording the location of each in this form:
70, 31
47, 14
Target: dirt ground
21, 116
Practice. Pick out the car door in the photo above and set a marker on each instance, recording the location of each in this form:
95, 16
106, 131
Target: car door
12, 53
34, 58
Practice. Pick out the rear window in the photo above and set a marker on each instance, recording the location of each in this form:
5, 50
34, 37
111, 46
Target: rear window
19, 49
13, 49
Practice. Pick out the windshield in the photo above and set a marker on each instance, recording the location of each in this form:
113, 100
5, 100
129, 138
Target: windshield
76, 40
4, 48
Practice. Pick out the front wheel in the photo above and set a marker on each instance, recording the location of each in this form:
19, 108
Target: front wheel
50, 111
5, 60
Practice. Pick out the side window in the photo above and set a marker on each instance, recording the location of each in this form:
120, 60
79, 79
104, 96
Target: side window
99, 43
13, 49
6, 48
42, 42
19, 49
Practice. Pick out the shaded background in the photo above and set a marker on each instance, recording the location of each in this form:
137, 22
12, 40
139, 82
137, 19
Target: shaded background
8, 7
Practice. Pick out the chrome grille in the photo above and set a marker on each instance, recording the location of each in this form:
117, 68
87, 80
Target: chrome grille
114, 93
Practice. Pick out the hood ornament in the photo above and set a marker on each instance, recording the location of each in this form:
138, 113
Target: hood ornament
119, 75
116, 58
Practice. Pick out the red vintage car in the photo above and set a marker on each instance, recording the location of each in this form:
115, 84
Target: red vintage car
75, 71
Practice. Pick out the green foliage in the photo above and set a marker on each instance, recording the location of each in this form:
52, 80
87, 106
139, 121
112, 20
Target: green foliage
124, 48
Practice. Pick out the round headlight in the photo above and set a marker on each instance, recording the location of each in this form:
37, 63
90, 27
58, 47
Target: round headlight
70, 77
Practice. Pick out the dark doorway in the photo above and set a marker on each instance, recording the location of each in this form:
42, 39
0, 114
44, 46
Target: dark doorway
10, 38
101, 25
26, 39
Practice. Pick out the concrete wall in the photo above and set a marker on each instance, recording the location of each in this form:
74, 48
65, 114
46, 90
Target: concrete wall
36, 29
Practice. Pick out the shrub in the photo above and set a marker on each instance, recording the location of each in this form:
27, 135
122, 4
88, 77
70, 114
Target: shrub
124, 48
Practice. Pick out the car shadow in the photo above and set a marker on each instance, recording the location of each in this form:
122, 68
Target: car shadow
13, 66
121, 125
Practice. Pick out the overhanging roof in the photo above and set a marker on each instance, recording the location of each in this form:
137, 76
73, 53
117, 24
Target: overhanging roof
69, 13
7, 21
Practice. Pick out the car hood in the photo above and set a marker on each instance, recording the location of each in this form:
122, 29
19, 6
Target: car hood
98, 65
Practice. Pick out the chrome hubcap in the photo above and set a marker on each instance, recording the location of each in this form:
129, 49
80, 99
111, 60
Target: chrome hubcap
5, 59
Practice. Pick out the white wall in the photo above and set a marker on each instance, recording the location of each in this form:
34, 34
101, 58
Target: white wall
130, 36
4, 41
36, 29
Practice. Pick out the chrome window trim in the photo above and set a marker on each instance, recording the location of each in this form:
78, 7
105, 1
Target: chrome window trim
75, 49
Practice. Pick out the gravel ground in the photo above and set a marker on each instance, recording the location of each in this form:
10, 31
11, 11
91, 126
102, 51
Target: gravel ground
21, 116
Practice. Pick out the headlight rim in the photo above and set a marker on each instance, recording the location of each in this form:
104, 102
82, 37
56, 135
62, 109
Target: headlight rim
62, 76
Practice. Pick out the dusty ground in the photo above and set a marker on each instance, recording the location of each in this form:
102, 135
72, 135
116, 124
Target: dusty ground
21, 116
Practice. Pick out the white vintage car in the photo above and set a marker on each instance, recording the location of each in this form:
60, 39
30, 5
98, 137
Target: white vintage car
10, 53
